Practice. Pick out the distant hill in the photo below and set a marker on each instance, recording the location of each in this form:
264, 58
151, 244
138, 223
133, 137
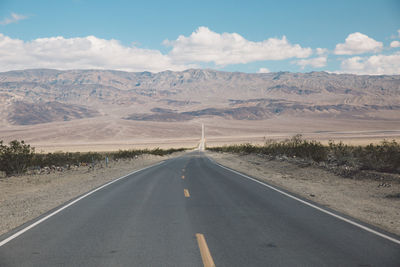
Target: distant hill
42, 95
23, 113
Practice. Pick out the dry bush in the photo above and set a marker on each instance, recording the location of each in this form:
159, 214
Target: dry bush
383, 157
16, 157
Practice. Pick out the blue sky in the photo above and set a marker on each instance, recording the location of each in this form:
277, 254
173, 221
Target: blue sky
299, 36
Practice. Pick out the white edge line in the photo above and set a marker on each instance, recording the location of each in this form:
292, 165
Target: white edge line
20, 232
314, 206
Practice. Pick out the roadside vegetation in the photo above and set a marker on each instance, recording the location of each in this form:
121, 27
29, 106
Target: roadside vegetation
18, 157
347, 159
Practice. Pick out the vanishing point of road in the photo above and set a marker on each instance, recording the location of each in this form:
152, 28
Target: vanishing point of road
189, 211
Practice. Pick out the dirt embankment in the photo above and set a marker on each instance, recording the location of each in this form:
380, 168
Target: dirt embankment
23, 198
374, 201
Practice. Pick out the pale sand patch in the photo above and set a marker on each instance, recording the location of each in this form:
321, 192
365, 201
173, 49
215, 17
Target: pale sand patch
361, 199
24, 198
110, 133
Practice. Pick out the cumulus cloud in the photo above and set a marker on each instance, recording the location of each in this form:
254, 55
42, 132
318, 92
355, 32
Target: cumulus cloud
321, 51
317, 62
375, 65
263, 70
81, 53
14, 17
357, 43
395, 44
204, 45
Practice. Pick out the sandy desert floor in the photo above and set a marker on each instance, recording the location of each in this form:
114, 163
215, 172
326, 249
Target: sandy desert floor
110, 134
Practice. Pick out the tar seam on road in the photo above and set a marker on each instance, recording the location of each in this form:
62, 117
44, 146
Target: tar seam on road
204, 251
20, 232
313, 206
186, 192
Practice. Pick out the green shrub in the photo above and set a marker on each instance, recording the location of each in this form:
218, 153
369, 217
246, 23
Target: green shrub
384, 157
126, 154
296, 147
129, 154
16, 157
343, 154
62, 159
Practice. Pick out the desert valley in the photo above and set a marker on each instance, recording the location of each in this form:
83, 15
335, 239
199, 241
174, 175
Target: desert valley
101, 110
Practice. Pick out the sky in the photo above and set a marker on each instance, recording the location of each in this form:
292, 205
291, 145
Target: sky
351, 36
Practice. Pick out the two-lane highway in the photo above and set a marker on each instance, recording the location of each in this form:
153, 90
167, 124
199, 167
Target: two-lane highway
189, 211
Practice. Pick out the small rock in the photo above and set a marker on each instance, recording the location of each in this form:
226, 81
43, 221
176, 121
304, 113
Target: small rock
384, 185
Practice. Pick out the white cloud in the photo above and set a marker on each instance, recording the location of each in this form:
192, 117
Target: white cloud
81, 53
358, 43
317, 62
395, 44
321, 51
204, 45
14, 17
263, 70
375, 65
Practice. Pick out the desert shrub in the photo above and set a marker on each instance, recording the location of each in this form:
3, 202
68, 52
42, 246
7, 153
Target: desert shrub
172, 150
62, 159
16, 157
157, 151
343, 154
89, 157
382, 157
294, 147
242, 148
126, 154
129, 154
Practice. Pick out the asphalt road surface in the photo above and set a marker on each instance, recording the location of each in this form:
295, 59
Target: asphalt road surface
188, 211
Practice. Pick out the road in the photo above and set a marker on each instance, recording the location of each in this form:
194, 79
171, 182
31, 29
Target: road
163, 215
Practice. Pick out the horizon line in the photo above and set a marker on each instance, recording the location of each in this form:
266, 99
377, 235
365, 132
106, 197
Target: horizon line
191, 69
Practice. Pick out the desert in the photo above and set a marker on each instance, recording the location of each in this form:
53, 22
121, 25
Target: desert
104, 111
96, 110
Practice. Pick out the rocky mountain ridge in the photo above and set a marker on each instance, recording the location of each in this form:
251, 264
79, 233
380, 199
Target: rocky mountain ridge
190, 94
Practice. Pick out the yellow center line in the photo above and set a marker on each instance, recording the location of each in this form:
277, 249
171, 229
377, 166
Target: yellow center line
204, 251
186, 192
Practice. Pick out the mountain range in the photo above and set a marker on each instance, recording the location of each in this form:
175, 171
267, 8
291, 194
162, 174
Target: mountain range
144, 102
42, 95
